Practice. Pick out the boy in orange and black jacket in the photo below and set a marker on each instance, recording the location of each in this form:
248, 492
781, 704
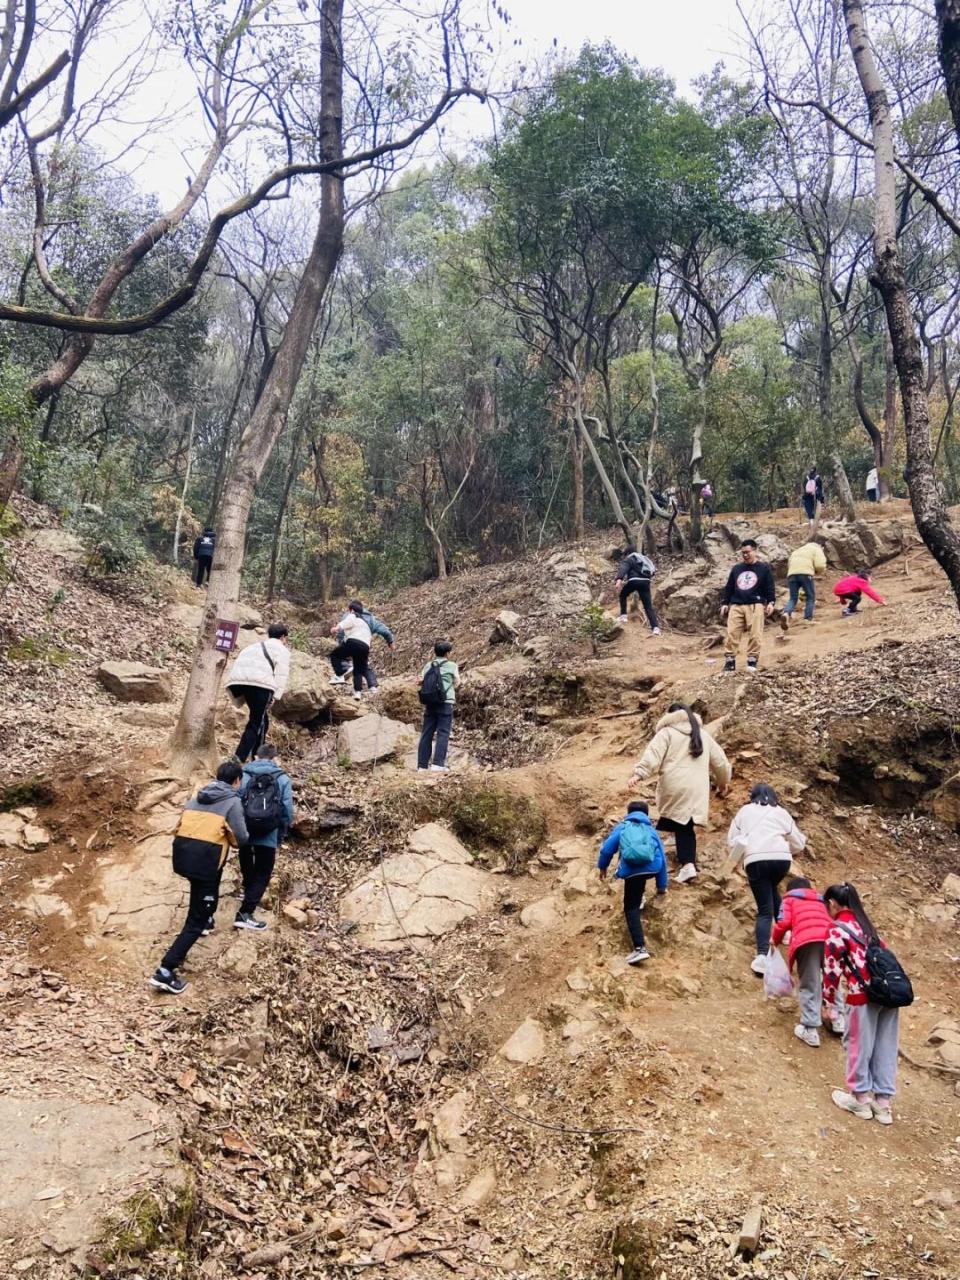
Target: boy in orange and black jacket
210, 825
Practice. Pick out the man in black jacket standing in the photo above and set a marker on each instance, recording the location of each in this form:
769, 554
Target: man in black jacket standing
203, 550
748, 600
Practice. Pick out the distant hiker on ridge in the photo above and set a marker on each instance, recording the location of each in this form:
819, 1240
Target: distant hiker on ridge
438, 685
267, 796
640, 857
210, 825
635, 575
748, 599
203, 549
258, 676
873, 485
812, 493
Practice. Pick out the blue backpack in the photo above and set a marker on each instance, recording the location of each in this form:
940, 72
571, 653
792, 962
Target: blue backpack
638, 844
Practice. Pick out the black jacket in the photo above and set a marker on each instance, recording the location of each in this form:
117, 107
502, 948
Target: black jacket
204, 545
750, 584
635, 566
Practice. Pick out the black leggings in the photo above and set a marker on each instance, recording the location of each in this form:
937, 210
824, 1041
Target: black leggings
764, 880
634, 888
203, 569
852, 601
686, 834
255, 734
642, 587
357, 652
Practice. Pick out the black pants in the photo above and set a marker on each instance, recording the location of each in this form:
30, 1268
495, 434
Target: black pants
204, 895
852, 601
809, 505
686, 834
258, 703
633, 891
256, 867
358, 653
764, 880
642, 587
341, 664
873, 495
203, 569
437, 723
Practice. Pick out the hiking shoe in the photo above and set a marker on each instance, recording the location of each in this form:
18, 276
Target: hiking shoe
751, 664
883, 1114
638, 955
785, 622
730, 664
656, 632
338, 680
208, 928
247, 920
422, 768
759, 965
357, 696
686, 873
439, 768
808, 1035
847, 1102
835, 1025
846, 613
623, 618
164, 980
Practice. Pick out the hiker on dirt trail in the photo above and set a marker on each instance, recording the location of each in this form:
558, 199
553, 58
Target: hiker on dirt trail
211, 824
635, 575
267, 796
851, 590
354, 647
258, 676
685, 757
748, 600
203, 549
812, 493
802, 567
804, 916
873, 485
764, 837
343, 667
855, 952
706, 498
438, 694
640, 857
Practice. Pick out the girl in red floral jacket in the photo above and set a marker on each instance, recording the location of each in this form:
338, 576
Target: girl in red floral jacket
872, 1035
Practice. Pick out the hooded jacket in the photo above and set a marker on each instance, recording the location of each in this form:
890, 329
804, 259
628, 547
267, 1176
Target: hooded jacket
683, 789
806, 561
635, 568
252, 666
272, 838
803, 914
610, 846
764, 832
204, 546
211, 824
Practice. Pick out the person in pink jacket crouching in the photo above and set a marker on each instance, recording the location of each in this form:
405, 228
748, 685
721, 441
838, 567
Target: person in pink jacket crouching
803, 914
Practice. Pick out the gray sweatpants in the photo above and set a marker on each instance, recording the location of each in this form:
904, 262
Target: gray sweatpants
872, 1039
809, 963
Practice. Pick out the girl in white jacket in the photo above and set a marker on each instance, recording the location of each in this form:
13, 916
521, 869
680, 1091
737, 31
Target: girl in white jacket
765, 838
355, 647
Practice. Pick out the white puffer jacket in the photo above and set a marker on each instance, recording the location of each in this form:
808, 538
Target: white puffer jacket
355, 628
764, 832
252, 666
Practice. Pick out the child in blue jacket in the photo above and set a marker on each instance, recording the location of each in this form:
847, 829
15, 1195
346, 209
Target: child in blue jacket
640, 858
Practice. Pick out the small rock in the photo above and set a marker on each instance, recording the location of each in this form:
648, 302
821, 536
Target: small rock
750, 1231
526, 1045
950, 1053
336, 1228
135, 682
537, 647
951, 887
11, 830
541, 914
296, 914
939, 912
372, 738
34, 837
578, 981
505, 627
479, 1189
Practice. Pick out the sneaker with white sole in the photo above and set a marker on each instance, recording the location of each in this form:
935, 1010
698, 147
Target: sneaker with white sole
338, 680
752, 664
882, 1114
686, 873
638, 955
730, 664
208, 928
439, 768
847, 1102
656, 632
808, 1035
165, 980
357, 696
623, 618
759, 965
247, 920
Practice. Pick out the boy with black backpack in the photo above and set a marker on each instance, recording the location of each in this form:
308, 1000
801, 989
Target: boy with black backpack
640, 858
635, 574
267, 796
438, 684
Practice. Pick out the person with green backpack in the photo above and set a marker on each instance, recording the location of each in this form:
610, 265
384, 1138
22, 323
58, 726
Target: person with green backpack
437, 694
640, 858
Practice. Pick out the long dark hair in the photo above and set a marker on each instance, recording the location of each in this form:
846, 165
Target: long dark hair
763, 793
846, 896
696, 741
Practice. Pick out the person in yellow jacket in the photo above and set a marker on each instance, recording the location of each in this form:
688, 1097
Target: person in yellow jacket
802, 567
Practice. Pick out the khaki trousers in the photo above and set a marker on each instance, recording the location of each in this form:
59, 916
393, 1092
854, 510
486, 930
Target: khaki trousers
744, 620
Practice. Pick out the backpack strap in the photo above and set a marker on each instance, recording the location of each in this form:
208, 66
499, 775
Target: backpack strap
266, 654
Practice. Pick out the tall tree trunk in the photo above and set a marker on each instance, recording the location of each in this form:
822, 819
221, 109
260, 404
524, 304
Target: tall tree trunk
282, 512
606, 483
186, 486
696, 457
576, 456
889, 421
647, 539
194, 741
888, 277
842, 484
948, 24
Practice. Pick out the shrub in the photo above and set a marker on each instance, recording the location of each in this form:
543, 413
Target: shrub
506, 827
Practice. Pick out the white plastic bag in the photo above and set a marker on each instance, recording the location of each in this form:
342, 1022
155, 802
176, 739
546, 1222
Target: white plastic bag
777, 981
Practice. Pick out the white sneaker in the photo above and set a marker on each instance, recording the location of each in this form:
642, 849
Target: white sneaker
624, 619
847, 1102
338, 680
638, 955
686, 873
357, 697
808, 1035
656, 632
439, 768
759, 965
882, 1114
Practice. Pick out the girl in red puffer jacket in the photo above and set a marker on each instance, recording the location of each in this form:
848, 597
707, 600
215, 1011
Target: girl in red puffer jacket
805, 917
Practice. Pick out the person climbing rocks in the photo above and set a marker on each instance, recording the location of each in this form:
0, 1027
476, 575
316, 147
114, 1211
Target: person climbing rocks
802, 567
873, 485
211, 824
438, 694
764, 837
342, 667
257, 678
634, 576
871, 1037
748, 600
203, 549
851, 590
684, 757
706, 497
812, 493
267, 796
804, 916
353, 647
640, 858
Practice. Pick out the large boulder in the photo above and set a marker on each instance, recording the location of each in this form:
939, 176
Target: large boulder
563, 589
250, 619
373, 737
505, 627
186, 617
308, 692
424, 892
135, 682
849, 547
